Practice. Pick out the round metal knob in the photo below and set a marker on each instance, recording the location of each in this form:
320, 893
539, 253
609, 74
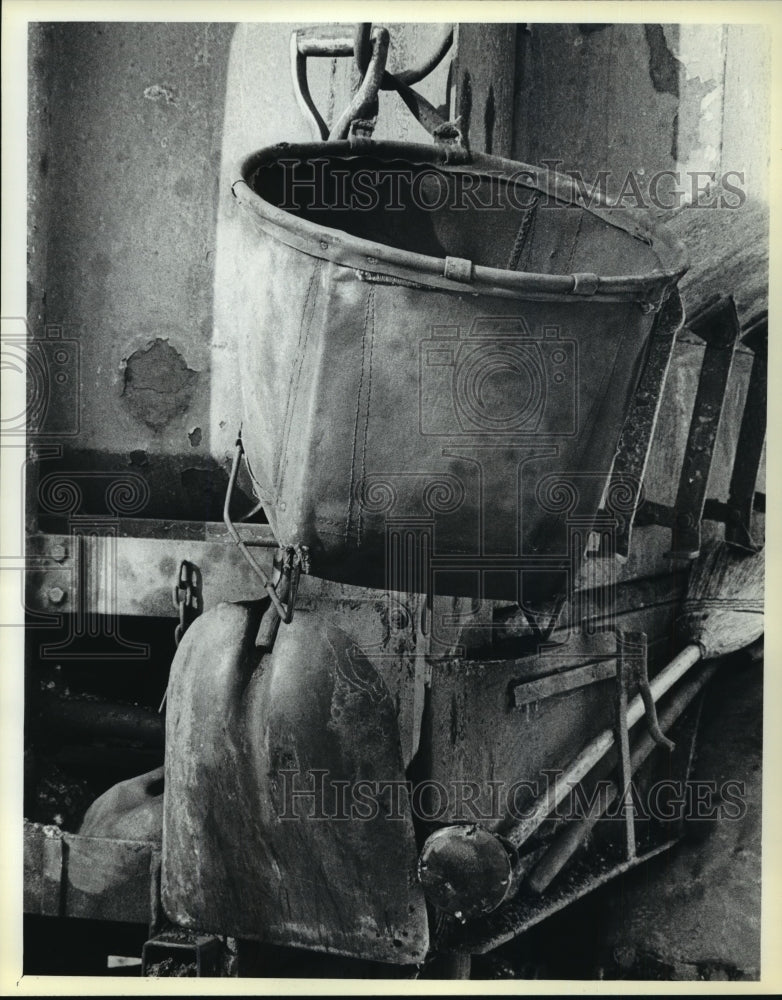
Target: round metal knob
464, 870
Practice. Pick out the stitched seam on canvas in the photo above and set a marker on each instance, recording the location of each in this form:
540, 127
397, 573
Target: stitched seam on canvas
521, 236
295, 377
366, 414
352, 479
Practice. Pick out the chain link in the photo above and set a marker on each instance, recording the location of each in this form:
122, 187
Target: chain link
186, 595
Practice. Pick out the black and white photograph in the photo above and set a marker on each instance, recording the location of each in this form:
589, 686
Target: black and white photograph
384, 475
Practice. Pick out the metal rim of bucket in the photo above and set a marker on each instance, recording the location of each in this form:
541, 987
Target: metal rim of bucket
455, 274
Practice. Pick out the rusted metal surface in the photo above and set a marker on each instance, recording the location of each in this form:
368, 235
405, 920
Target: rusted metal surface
475, 732
67, 875
719, 327
626, 714
567, 680
129, 278
162, 385
477, 737
464, 870
147, 554
518, 915
119, 574
750, 444
242, 855
635, 440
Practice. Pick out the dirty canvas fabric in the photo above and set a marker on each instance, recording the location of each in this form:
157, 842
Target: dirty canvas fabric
414, 379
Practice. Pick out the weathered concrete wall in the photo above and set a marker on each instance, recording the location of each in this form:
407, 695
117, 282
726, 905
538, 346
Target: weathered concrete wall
126, 123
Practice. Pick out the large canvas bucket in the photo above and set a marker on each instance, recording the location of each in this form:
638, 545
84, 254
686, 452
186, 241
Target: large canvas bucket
436, 359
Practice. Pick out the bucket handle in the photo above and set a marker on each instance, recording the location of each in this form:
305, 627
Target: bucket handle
285, 612
369, 47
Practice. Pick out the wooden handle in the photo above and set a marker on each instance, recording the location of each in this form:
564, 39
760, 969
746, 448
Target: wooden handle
599, 747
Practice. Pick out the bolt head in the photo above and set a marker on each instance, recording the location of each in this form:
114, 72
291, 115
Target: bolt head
56, 595
58, 553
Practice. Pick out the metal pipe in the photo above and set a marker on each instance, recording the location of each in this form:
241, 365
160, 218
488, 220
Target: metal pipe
598, 748
100, 719
568, 842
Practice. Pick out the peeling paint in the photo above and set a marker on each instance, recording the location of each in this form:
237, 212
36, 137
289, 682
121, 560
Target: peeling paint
194, 436
158, 384
663, 65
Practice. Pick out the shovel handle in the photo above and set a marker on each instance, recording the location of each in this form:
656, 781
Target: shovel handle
598, 748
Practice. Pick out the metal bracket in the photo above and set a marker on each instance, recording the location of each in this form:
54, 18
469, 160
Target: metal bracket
742, 499
635, 440
719, 327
